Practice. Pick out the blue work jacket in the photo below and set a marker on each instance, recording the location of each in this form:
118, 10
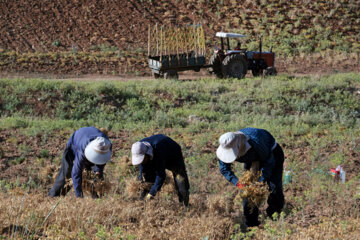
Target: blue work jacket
166, 155
262, 144
77, 144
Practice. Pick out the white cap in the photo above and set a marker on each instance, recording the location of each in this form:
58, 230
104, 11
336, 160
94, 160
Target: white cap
98, 151
138, 151
232, 145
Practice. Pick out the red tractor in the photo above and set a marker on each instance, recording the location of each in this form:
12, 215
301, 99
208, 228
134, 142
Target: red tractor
236, 62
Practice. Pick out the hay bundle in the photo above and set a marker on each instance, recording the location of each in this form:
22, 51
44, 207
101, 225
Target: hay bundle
134, 187
91, 183
256, 192
48, 173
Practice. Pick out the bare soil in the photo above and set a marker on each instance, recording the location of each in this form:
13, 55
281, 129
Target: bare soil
101, 26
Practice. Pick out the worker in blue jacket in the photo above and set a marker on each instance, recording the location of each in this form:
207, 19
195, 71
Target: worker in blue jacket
88, 148
258, 150
155, 154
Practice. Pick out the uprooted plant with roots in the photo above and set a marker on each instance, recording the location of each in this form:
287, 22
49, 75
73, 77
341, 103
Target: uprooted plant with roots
256, 192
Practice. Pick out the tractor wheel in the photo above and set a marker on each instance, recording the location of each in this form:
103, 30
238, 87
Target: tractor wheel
171, 75
270, 71
234, 66
215, 66
257, 72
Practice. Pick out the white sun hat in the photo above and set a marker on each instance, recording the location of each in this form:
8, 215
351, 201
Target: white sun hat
138, 151
232, 145
98, 151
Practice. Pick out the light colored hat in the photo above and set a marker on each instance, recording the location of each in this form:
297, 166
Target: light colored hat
138, 151
98, 151
232, 145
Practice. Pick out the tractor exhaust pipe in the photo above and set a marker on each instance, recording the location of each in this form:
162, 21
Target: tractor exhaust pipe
260, 46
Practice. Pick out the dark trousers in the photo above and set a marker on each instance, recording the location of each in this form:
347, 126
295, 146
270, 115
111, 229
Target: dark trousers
276, 198
181, 183
64, 173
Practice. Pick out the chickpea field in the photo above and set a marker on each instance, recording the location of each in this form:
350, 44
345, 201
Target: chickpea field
316, 119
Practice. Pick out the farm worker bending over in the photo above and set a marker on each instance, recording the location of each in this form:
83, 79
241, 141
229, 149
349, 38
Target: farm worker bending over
87, 148
258, 150
155, 154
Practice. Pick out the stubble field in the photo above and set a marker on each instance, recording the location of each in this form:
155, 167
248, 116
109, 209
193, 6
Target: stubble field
315, 119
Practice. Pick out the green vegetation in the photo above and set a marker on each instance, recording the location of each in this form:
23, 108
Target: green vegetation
316, 120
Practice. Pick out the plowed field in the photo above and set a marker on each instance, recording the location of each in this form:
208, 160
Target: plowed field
110, 37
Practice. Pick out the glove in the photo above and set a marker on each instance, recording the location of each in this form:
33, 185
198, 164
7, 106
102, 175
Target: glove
149, 196
240, 186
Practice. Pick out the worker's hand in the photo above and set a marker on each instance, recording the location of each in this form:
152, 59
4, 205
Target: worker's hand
149, 196
240, 186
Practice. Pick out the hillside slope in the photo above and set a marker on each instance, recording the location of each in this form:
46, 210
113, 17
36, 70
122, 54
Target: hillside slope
291, 27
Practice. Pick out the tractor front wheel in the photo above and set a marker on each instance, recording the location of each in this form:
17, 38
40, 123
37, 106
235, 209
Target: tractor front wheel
234, 66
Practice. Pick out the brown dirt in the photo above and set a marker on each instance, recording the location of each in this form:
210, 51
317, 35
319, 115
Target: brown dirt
36, 26
48, 32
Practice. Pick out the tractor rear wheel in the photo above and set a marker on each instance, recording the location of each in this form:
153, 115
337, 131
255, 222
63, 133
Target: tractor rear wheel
234, 66
215, 66
270, 71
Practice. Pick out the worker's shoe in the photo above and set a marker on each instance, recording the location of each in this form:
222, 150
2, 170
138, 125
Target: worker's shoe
184, 199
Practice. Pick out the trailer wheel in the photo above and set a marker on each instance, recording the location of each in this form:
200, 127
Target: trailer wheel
270, 71
156, 75
234, 66
216, 66
171, 75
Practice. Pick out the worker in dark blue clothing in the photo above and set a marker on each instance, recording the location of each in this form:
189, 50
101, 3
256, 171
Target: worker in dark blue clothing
155, 154
258, 150
88, 148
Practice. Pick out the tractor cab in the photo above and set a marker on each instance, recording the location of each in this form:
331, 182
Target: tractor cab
225, 42
235, 61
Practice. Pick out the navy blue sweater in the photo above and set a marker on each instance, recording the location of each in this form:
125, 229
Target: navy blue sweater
77, 144
262, 143
166, 155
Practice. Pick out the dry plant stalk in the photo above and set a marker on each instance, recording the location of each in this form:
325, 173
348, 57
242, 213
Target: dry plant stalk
91, 183
134, 187
255, 192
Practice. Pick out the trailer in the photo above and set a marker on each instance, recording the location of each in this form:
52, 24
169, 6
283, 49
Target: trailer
174, 49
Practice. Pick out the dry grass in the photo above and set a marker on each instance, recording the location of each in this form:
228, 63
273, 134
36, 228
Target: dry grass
91, 184
134, 187
158, 219
328, 228
256, 192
